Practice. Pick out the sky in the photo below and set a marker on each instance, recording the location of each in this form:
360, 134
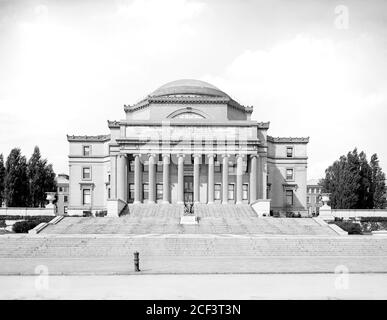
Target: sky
311, 68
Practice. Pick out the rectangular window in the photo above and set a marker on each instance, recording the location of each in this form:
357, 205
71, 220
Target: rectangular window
109, 193
131, 165
217, 189
159, 167
217, 166
86, 151
65, 199
65, 209
289, 197
86, 196
86, 173
131, 191
232, 168
145, 191
231, 192
245, 191
289, 152
159, 191
60, 189
308, 200
289, 174
146, 166
65, 189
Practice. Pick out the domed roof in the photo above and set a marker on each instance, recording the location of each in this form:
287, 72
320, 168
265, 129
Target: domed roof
188, 87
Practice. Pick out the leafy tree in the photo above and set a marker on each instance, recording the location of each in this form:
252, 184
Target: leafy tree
41, 179
378, 184
16, 191
2, 177
354, 183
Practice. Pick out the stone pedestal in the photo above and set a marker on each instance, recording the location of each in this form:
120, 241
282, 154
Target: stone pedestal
326, 211
50, 197
114, 207
188, 220
261, 207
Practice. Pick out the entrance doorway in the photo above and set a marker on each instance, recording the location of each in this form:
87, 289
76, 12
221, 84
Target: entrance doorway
188, 189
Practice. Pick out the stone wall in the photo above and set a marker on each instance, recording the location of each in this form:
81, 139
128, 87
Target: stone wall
27, 212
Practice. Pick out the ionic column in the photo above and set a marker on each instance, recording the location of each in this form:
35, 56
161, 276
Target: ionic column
113, 177
152, 179
196, 177
253, 178
180, 179
239, 192
121, 165
263, 160
165, 178
225, 179
137, 179
211, 178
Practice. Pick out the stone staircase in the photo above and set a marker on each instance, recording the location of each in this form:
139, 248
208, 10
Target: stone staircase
213, 219
198, 246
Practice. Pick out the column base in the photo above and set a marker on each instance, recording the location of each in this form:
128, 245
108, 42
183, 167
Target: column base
165, 202
179, 202
224, 202
210, 202
137, 202
239, 202
151, 202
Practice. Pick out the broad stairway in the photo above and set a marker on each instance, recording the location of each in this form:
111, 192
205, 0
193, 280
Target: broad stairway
213, 219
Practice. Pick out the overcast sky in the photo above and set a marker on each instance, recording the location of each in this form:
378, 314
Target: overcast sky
311, 68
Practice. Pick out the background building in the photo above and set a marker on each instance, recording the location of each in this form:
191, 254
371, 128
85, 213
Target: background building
187, 142
62, 194
313, 197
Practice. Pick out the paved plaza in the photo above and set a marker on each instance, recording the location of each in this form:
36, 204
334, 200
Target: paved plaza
207, 287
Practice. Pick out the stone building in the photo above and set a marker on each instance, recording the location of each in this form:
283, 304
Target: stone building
313, 197
186, 142
62, 194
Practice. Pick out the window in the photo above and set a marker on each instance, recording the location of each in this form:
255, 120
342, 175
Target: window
108, 193
217, 166
245, 191
60, 189
65, 198
131, 191
231, 192
289, 174
231, 168
308, 200
86, 196
65, 209
159, 191
86, 151
131, 165
159, 167
86, 173
289, 152
217, 191
289, 197
65, 189
109, 178
146, 166
145, 191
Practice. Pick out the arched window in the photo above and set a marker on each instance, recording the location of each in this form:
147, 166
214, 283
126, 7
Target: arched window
188, 115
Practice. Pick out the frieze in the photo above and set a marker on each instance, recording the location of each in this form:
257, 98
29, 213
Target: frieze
288, 139
99, 138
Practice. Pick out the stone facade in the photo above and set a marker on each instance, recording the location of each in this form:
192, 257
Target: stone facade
187, 142
62, 194
313, 197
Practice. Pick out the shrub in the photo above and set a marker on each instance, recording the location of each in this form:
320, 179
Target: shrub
2, 224
350, 227
46, 218
87, 213
373, 219
24, 226
102, 213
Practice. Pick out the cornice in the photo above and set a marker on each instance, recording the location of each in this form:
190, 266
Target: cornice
288, 139
98, 138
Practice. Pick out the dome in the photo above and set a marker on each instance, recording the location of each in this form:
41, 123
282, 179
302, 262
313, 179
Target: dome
188, 87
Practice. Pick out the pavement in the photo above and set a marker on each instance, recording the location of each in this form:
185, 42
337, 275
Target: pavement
194, 265
206, 287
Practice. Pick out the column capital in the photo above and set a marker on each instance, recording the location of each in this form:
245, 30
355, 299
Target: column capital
225, 155
166, 155
152, 155
240, 155
136, 155
210, 155
254, 155
197, 155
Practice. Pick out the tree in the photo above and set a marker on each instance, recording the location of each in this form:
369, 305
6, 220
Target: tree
41, 179
378, 184
354, 183
2, 177
16, 191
